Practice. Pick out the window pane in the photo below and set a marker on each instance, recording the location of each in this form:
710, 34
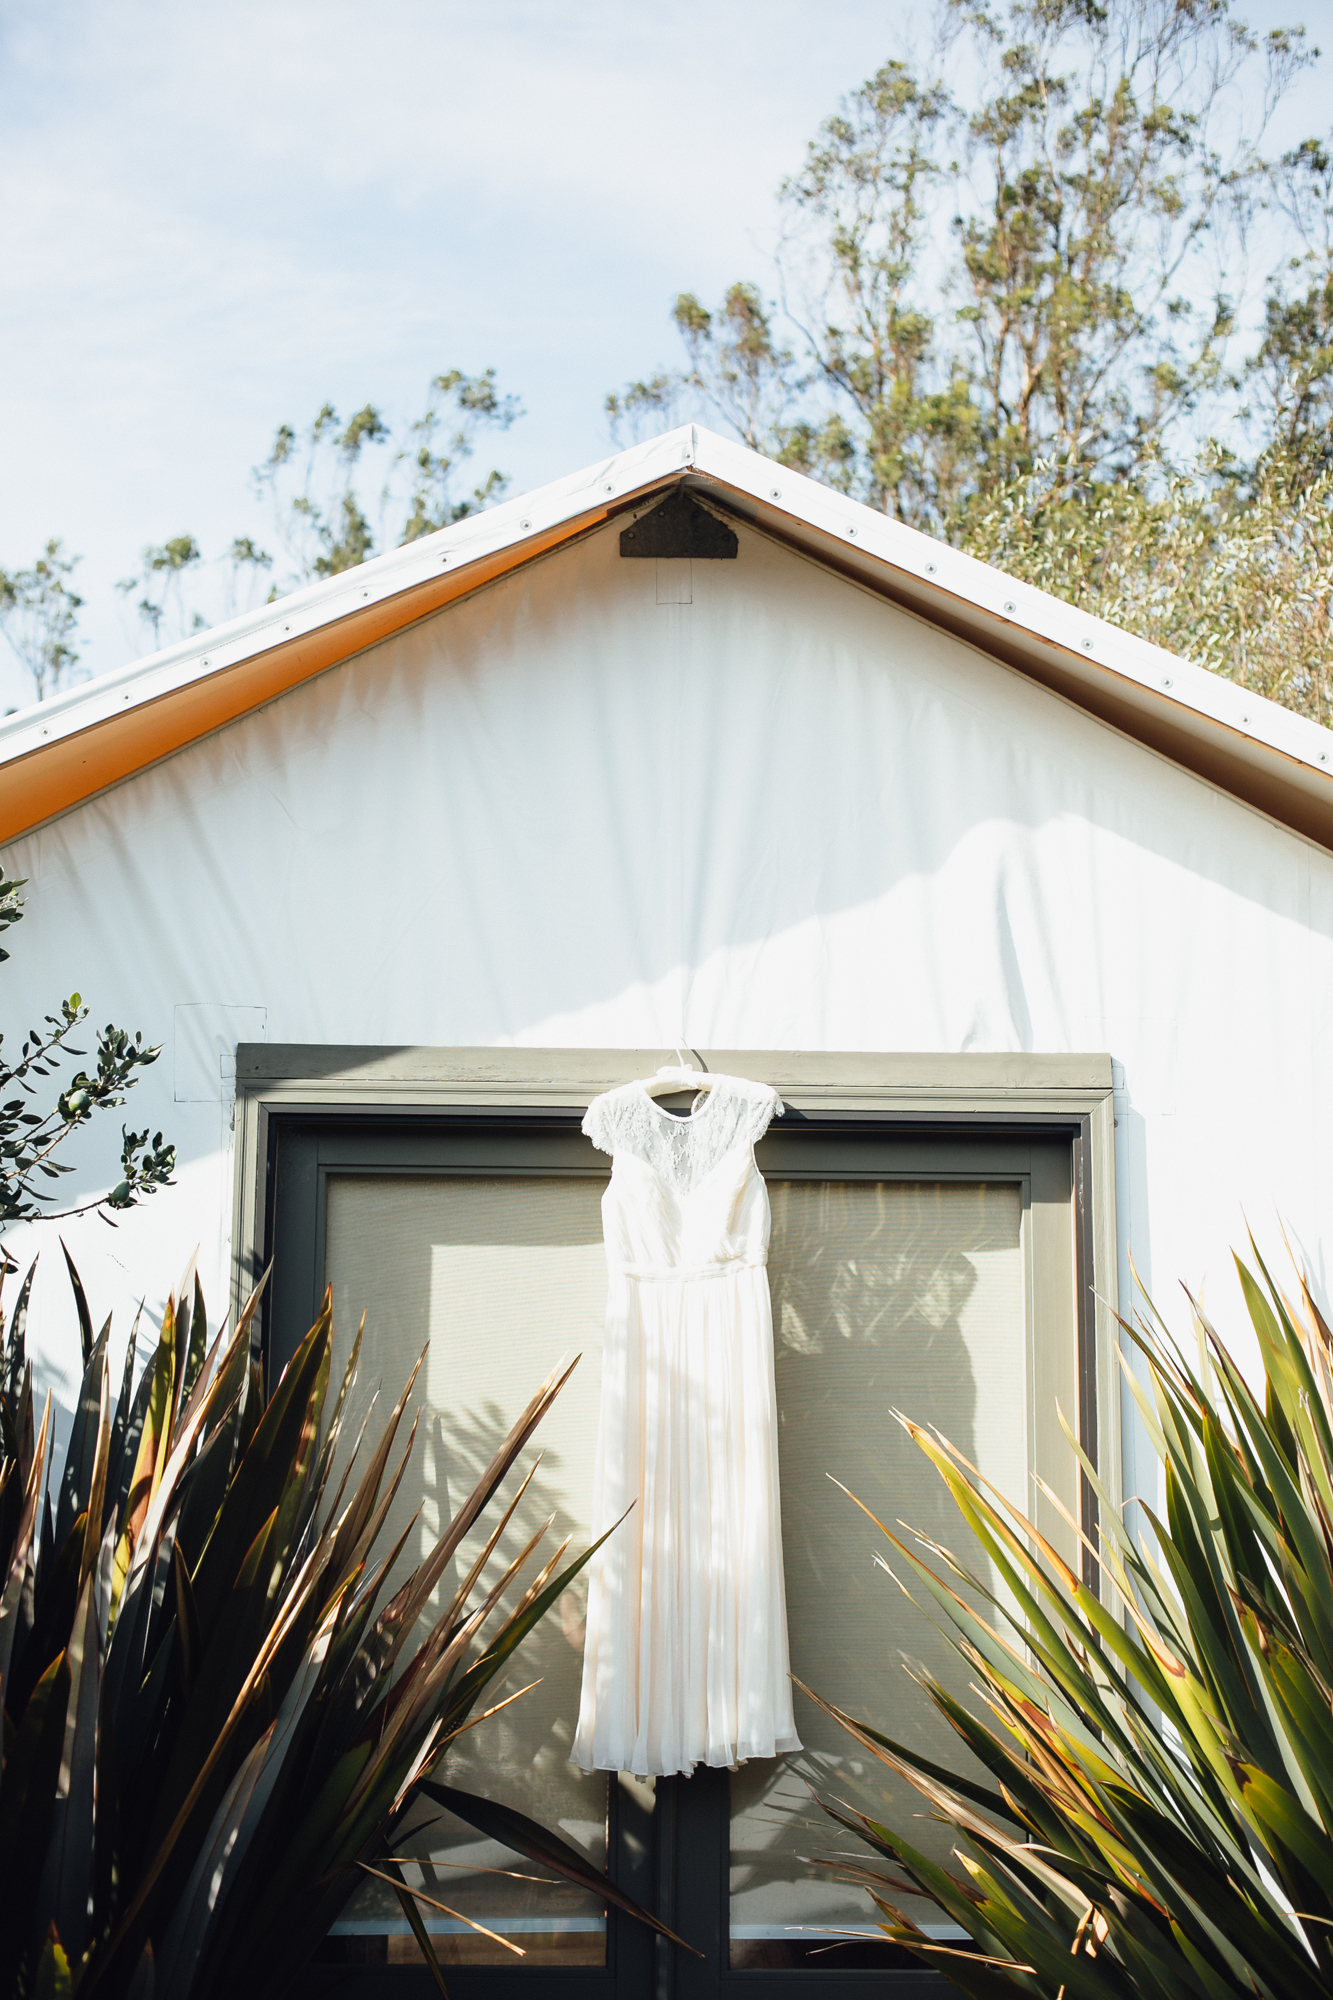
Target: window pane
503, 1275
885, 1296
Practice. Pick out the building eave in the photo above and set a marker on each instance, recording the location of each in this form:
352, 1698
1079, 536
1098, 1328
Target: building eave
57, 755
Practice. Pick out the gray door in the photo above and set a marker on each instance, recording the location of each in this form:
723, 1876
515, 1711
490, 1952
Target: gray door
928, 1272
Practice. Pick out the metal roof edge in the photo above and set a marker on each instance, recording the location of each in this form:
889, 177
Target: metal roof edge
512, 523
1240, 741
1018, 606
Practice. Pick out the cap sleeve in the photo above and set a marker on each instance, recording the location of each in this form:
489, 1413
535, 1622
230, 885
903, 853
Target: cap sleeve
765, 1106
599, 1121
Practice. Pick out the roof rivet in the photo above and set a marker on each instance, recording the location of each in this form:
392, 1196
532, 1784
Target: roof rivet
775, 493
609, 487
1009, 605
930, 569
525, 524
1087, 645
1166, 681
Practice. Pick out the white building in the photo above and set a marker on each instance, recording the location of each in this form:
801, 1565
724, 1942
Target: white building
1031, 923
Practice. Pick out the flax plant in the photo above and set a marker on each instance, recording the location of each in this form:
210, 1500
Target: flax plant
215, 1718
1154, 1814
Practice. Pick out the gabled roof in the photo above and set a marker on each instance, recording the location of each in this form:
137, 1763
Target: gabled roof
56, 755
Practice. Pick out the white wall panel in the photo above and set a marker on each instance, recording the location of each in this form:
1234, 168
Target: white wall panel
781, 815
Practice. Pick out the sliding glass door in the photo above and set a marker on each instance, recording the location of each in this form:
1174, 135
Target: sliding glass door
926, 1272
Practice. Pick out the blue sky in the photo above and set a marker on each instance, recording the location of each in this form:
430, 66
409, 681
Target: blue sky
217, 217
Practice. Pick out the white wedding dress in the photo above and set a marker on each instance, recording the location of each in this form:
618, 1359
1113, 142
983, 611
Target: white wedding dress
685, 1659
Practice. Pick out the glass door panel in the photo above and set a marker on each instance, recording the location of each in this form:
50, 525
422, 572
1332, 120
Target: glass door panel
887, 1295
503, 1275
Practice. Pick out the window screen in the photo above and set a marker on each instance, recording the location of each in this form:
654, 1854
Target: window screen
886, 1295
503, 1276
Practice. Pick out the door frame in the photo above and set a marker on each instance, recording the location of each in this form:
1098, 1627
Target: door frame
281, 1087
909, 1091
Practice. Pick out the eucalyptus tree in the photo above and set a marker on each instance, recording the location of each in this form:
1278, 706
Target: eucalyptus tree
33, 1135
1293, 367
313, 480
1012, 304
338, 491
1024, 246
39, 615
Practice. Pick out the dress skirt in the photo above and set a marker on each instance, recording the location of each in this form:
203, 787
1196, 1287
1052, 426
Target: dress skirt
686, 1654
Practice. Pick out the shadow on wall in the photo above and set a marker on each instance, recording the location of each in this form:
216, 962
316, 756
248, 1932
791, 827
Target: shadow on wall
849, 752
503, 1279
583, 792
520, 1755
885, 1297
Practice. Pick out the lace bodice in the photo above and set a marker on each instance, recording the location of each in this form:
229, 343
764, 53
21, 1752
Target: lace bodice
682, 1151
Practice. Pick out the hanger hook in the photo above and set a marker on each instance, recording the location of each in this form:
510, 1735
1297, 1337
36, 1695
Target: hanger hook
681, 1063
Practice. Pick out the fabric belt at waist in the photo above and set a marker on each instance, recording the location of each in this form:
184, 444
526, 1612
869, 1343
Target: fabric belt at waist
676, 1274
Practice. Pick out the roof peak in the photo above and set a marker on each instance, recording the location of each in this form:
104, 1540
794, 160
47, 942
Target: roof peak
65, 750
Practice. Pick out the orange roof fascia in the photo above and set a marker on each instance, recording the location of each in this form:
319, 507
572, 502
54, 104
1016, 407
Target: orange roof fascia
1273, 760
54, 777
